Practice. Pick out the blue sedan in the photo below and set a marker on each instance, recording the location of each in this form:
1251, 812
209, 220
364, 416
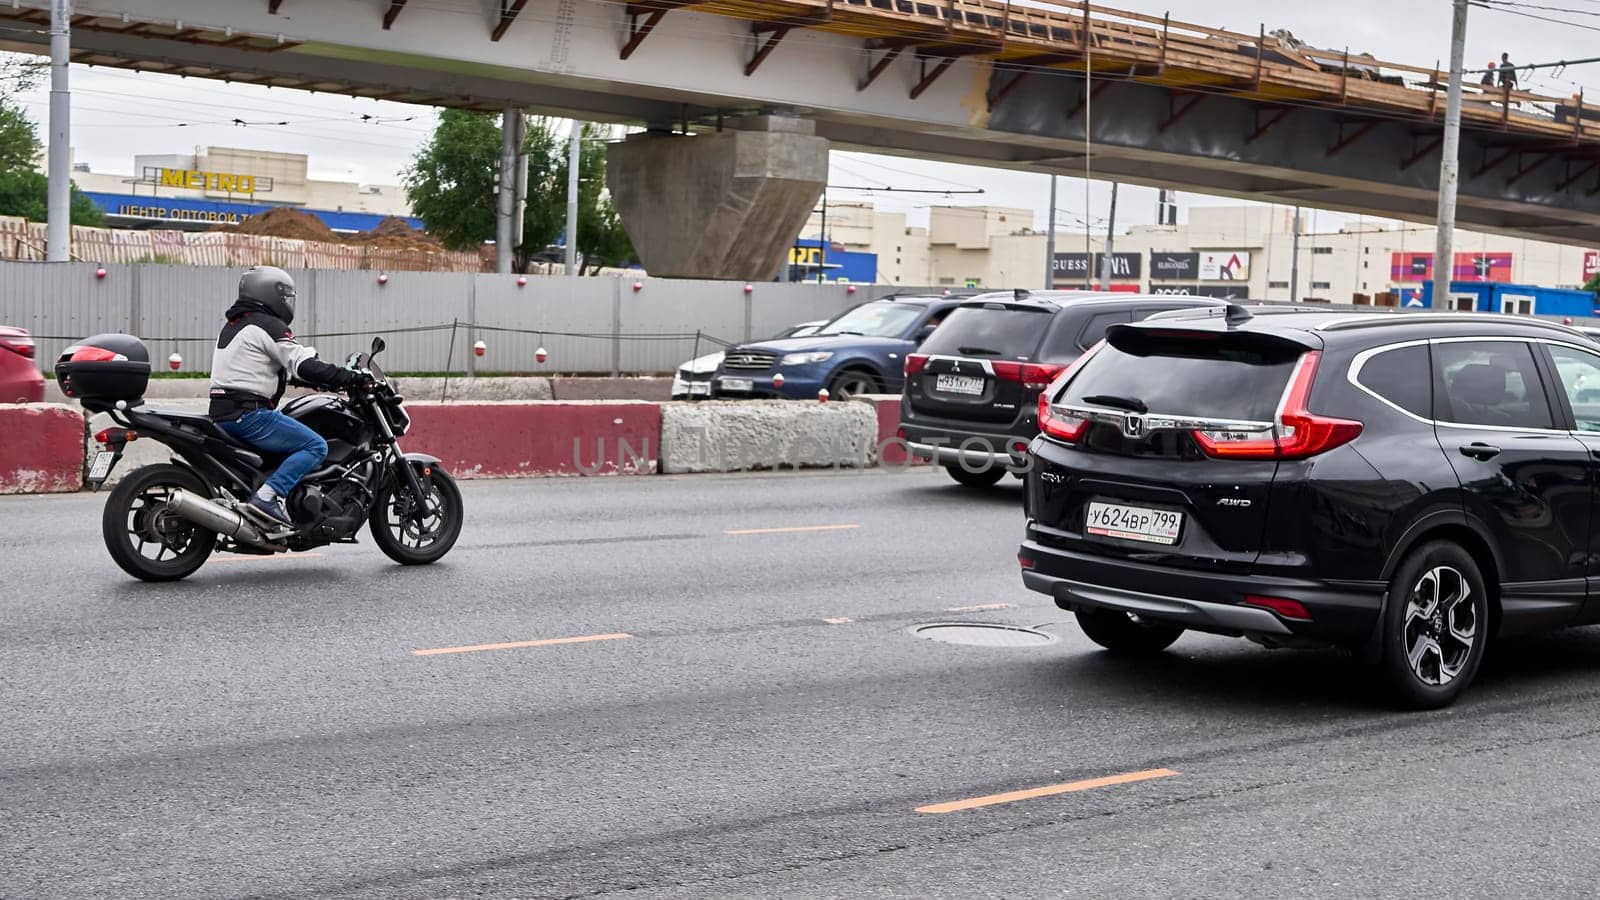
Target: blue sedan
862, 351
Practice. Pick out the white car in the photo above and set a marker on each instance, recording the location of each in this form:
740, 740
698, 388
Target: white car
693, 378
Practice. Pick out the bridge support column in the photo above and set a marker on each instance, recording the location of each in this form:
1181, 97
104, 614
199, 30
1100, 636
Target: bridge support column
724, 205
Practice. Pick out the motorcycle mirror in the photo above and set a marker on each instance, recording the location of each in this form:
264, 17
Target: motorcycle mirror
377, 346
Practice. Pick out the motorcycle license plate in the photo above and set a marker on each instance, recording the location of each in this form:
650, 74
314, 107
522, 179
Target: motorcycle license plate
100, 469
1134, 523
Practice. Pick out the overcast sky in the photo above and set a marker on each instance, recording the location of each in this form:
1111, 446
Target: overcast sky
118, 114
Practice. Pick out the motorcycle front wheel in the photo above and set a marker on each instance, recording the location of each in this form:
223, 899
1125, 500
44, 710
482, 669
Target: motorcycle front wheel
144, 538
413, 539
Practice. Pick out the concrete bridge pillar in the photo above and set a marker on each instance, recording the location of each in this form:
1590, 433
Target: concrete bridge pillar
723, 205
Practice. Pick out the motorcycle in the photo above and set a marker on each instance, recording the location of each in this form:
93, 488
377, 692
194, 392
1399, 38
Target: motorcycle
162, 522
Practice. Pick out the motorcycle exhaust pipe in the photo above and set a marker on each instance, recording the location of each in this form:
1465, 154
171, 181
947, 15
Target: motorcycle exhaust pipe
214, 517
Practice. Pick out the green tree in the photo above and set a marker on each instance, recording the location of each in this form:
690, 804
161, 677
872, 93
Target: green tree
451, 186
24, 190
1593, 284
25, 193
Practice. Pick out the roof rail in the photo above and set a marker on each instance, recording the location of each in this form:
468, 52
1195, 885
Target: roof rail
1347, 322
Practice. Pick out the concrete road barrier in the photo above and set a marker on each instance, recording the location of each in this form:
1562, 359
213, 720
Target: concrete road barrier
891, 450
41, 448
655, 390
766, 434
475, 390
502, 440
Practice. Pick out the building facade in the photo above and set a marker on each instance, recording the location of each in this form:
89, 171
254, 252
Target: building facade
223, 185
1224, 251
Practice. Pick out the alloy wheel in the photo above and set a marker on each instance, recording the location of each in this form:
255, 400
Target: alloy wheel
1440, 625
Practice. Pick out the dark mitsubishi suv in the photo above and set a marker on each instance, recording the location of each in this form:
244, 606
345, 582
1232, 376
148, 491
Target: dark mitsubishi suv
1405, 485
971, 396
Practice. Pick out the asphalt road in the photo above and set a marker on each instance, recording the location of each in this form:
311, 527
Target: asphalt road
769, 725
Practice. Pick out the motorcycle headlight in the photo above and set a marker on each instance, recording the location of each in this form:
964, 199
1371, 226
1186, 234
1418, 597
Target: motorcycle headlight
804, 359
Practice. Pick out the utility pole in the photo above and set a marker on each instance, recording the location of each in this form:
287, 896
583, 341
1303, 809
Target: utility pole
519, 180
505, 197
1450, 161
574, 151
58, 228
822, 242
1050, 241
1294, 260
1111, 227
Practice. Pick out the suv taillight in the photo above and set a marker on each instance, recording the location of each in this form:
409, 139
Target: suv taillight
1060, 426
1299, 433
19, 345
915, 362
1032, 375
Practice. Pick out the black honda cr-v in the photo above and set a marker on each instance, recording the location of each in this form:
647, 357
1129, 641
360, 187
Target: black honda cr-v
1404, 485
971, 394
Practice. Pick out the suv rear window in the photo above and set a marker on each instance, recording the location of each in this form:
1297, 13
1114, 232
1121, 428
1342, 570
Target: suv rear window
1007, 333
1189, 379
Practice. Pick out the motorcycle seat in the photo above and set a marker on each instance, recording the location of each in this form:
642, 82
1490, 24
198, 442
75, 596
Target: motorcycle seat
197, 422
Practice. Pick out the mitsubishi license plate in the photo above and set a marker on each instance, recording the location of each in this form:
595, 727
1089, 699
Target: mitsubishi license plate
971, 385
1134, 523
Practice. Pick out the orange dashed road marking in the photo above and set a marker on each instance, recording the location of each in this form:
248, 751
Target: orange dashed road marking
1048, 791
514, 645
795, 530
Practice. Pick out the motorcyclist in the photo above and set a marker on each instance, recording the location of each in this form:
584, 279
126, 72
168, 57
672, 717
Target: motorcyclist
256, 355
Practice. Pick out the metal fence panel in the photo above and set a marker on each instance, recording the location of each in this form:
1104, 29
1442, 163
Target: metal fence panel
580, 309
774, 307
588, 325
62, 302
662, 308
411, 311
180, 309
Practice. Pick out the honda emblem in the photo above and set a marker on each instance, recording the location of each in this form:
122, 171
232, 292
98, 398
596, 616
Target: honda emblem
1132, 426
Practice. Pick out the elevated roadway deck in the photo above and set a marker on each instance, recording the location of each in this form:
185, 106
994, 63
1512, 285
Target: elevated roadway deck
980, 81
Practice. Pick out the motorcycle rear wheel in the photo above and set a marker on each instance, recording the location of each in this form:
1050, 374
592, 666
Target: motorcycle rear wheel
144, 539
417, 543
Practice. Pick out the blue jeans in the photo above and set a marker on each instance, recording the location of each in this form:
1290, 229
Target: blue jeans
274, 432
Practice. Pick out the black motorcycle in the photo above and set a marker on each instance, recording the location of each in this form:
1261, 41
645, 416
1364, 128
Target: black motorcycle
162, 522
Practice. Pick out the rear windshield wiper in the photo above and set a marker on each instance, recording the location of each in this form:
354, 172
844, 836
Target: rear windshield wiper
977, 351
1131, 404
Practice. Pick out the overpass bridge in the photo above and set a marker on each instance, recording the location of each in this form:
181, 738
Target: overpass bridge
765, 88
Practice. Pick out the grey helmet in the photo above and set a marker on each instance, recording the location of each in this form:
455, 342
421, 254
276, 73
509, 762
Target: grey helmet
271, 287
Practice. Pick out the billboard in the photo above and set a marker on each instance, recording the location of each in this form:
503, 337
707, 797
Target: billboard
1174, 266
848, 266
1225, 265
1214, 291
177, 209
1418, 267
1073, 267
1591, 264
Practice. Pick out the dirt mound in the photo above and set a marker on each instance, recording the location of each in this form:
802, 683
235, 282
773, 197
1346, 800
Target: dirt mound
287, 222
395, 227
393, 233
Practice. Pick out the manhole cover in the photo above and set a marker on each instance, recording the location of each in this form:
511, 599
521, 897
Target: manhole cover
983, 634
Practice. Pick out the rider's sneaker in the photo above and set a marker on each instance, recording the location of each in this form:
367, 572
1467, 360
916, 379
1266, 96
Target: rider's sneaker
272, 509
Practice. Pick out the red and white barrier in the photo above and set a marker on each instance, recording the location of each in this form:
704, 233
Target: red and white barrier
507, 440
41, 448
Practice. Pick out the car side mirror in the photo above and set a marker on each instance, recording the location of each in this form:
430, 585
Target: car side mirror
377, 346
925, 332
